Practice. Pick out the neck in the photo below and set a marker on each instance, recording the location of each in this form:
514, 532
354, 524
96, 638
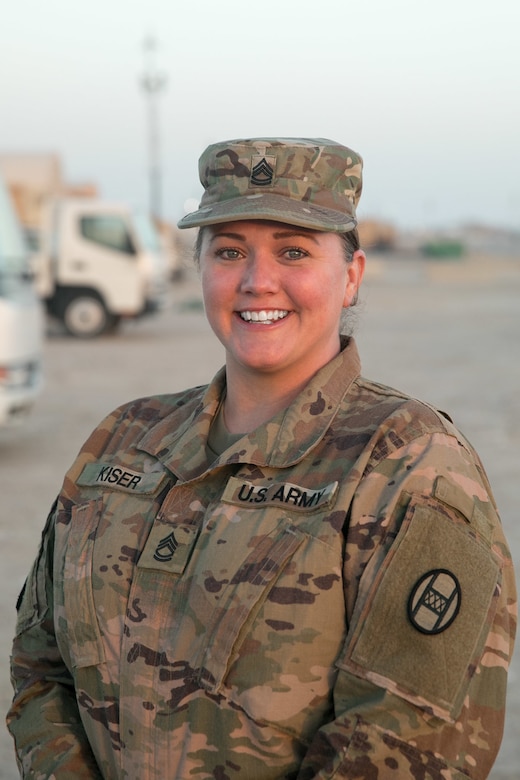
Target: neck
250, 403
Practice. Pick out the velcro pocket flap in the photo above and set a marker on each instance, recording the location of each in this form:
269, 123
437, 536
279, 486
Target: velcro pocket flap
86, 644
428, 611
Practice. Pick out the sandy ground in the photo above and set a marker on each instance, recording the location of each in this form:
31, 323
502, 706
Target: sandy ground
447, 332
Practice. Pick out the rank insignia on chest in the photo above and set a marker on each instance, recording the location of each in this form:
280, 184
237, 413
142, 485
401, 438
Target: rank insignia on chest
168, 547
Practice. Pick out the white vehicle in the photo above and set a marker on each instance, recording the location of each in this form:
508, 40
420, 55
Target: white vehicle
97, 263
21, 321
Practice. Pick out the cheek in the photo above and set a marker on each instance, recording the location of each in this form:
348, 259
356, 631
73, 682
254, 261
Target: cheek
208, 292
325, 291
210, 285
216, 294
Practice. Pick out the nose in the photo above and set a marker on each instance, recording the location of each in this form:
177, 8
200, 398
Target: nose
260, 276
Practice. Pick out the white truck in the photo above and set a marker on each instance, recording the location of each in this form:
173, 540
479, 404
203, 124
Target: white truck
96, 263
21, 321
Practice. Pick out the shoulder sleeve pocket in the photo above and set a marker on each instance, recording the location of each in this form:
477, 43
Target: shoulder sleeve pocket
33, 601
78, 617
423, 626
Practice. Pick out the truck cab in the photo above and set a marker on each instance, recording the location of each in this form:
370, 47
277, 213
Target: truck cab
98, 263
21, 321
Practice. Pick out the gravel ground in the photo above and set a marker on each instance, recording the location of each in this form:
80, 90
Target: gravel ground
447, 332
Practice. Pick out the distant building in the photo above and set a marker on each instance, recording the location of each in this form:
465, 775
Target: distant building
32, 179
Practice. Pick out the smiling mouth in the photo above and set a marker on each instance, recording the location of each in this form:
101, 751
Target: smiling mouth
263, 316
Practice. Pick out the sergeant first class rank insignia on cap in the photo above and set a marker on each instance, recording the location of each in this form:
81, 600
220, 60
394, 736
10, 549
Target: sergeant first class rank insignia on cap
262, 170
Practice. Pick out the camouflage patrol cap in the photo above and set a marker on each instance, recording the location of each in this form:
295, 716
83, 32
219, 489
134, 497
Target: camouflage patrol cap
308, 182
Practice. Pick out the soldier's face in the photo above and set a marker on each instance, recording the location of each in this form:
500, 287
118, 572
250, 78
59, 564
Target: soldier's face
274, 294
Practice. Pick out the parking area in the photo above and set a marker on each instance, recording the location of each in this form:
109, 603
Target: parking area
446, 332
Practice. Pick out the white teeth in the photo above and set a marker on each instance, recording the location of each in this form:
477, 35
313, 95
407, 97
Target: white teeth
263, 315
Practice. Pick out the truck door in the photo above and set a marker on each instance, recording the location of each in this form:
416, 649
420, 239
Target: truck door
98, 252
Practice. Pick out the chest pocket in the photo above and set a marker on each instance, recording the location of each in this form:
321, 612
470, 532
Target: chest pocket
240, 602
202, 600
84, 637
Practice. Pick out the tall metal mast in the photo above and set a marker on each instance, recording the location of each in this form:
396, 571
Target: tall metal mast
153, 83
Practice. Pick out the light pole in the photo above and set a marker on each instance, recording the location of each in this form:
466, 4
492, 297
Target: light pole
153, 83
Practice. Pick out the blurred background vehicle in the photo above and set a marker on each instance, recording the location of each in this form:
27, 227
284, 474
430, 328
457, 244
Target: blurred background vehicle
95, 263
21, 321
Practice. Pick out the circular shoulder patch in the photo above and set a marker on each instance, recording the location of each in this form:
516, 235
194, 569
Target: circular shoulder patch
434, 601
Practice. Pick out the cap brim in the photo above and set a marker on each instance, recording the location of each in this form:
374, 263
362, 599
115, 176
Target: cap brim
271, 207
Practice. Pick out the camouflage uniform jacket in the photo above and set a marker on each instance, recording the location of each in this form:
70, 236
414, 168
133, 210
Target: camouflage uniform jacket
332, 597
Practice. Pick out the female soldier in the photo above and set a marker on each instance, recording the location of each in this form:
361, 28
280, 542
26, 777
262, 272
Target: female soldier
293, 572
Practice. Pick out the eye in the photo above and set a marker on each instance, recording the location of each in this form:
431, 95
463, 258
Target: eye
228, 253
295, 253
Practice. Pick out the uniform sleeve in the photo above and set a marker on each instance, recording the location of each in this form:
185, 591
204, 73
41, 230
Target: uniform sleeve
421, 682
44, 718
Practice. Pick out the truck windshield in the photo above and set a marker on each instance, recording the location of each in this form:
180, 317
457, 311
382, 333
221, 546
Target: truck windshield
147, 233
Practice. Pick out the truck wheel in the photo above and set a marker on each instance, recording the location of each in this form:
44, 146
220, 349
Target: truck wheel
85, 316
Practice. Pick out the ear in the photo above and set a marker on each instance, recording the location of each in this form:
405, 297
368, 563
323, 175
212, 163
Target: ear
355, 271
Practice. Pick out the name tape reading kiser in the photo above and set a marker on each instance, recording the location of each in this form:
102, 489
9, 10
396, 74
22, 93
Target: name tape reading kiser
241, 492
120, 478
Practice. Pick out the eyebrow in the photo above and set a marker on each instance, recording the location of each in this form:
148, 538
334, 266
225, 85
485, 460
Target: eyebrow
295, 233
227, 234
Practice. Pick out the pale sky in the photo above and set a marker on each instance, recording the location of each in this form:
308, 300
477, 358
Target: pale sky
428, 93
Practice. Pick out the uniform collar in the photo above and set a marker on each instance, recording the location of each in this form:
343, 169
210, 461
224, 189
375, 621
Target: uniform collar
179, 440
